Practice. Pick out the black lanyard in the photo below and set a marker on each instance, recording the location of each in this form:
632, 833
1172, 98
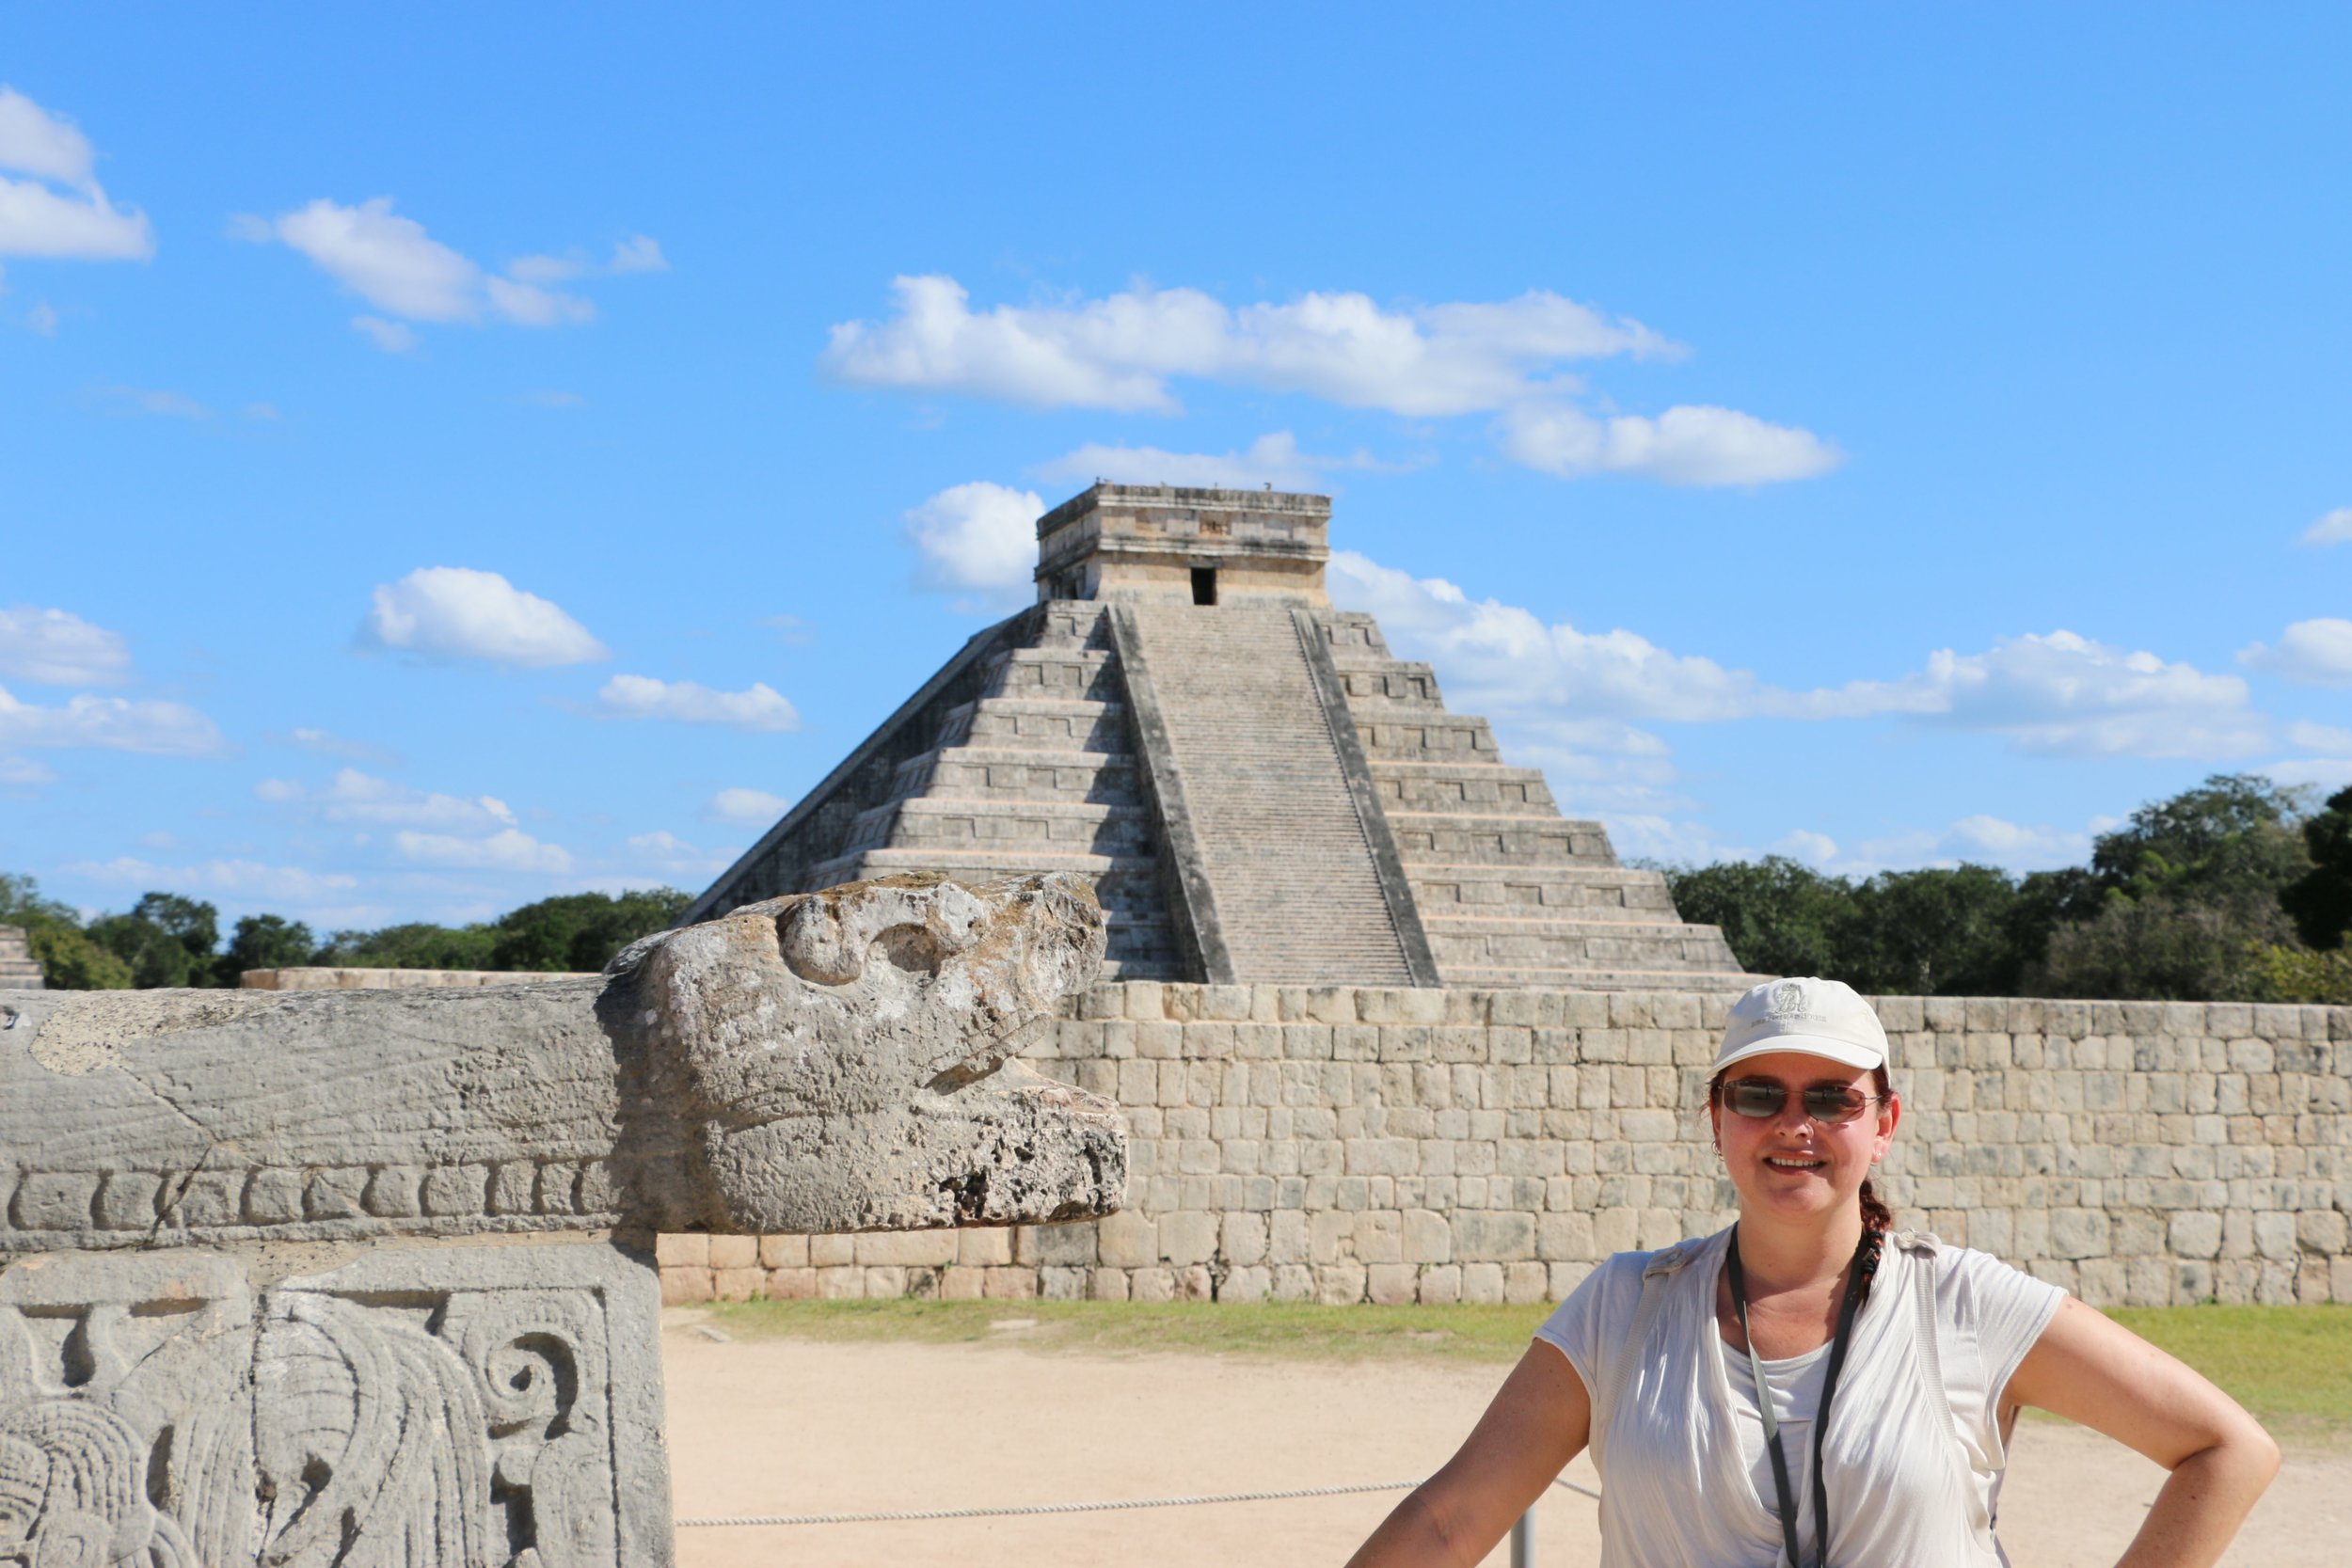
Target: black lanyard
1865, 1263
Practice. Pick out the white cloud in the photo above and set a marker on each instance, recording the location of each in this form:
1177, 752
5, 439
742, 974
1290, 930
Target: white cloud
511, 849
60, 211
759, 708
385, 259
978, 536
244, 879
391, 336
671, 855
2053, 693
390, 261
1690, 445
362, 798
2328, 774
638, 253
1123, 351
753, 806
2321, 738
1805, 845
23, 770
114, 723
1120, 352
1273, 459
164, 404
2064, 694
456, 612
328, 743
56, 647
34, 141
2333, 529
2313, 653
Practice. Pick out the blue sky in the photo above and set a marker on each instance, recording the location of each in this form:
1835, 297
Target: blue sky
456, 455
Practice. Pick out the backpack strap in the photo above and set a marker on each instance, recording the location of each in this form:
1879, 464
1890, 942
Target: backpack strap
1655, 1274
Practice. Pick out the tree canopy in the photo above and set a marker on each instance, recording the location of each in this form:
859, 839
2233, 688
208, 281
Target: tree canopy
169, 940
2232, 889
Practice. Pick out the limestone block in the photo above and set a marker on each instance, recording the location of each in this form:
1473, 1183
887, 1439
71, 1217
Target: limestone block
1010, 1284
687, 1250
1493, 1236
784, 1252
1442, 1284
1391, 1284
734, 1252
1340, 1284
1482, 1284
685, 1284
962, 1284
918, 1249
521, 1412
791, 1284
975, 1249
1245, 1239
1127, 1240
745, 1284
1188, 1236
2274, 1234
1524, 1282
1254, 1283
841, 1282
2194, 1233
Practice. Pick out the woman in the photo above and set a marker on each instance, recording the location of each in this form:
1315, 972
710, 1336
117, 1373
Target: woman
1896, 1364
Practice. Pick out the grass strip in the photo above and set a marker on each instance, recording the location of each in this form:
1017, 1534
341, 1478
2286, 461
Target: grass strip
2291, 1366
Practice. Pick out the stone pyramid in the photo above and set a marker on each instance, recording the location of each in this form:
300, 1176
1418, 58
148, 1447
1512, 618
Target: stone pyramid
19, 969
1260, 791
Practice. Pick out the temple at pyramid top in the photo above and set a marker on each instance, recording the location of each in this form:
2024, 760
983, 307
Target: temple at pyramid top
1259, 791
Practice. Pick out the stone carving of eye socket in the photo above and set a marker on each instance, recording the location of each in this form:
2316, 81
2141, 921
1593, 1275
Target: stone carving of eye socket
829, 942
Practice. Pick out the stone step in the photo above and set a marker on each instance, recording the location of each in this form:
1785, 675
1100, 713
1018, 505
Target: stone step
1297, 897
1073, 725
1580, 944
1424, 736
1073, 623
1479, 787
1125, 885
1444, 890
1730, 982
1519, 841
1373, 687
996, 821
1016, 773
1088, 673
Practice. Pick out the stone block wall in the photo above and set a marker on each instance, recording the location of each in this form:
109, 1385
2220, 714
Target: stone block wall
1345, 1145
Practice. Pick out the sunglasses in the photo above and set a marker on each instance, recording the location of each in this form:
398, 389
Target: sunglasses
1761, 1098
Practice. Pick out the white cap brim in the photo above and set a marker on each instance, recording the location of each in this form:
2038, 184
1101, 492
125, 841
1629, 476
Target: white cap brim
1844, 1052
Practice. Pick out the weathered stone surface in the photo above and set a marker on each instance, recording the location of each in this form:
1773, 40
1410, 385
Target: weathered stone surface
419, 1406
1360, 1146
838, 1061
291, 1393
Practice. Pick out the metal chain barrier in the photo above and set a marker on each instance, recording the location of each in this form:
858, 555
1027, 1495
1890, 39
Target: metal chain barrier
914, 1515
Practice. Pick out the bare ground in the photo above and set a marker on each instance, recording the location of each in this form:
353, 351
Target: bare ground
786, 1426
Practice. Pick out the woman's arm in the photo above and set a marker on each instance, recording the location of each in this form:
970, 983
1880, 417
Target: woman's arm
2087, 1367
1538, 1421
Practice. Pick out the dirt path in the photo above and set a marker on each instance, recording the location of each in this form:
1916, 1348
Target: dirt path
791, 1427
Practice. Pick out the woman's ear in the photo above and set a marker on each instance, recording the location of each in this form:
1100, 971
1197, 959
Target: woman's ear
1890, 1114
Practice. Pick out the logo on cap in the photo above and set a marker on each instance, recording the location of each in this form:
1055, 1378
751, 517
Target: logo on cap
1791, 998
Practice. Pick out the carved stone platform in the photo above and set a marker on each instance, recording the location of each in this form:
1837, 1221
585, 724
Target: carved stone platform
365, 1279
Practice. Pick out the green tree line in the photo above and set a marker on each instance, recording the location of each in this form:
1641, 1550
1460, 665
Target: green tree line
167, 940
2236, 890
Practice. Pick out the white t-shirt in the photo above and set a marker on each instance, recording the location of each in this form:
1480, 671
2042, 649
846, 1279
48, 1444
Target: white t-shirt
1915, 1452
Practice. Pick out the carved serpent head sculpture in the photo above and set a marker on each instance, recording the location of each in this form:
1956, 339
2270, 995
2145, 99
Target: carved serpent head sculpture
829, 1061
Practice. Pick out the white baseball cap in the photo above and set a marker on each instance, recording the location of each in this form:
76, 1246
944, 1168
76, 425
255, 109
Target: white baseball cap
1819, 1018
